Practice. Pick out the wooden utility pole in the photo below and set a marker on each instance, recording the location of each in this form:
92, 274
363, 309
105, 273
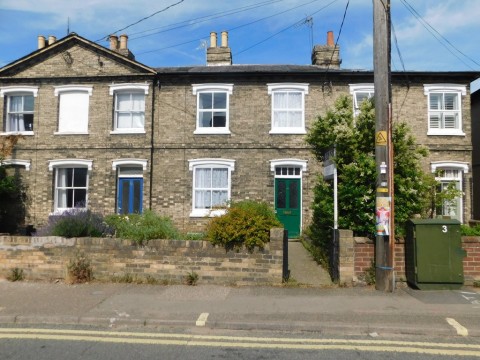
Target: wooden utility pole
383, 93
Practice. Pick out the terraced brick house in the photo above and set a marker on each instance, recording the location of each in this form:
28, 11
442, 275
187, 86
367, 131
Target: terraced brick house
114, 135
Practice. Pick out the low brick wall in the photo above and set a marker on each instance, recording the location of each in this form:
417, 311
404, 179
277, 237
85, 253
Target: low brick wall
46, 258
357, 254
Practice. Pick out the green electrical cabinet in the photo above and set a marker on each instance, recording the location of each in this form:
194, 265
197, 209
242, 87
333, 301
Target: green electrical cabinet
434, 254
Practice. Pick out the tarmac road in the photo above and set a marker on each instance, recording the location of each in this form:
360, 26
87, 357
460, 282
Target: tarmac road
329, 311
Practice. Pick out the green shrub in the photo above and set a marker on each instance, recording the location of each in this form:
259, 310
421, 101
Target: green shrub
142, 227
191, 278
466, 230
79, 269
16, 274
245, 223
76, 223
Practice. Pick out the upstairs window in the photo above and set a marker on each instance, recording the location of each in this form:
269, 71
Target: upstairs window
212, 108
288, 108
19, 114
360, 93
445, 109
73, 109
129, 107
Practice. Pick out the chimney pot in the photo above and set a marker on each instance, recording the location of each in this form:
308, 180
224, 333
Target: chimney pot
330, 41
41, 41
113, 42
123, 42
224, 39
51, 39
213, 39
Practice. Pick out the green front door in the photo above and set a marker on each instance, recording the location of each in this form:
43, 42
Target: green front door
287, 204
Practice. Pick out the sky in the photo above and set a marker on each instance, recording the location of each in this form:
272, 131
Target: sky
428, 35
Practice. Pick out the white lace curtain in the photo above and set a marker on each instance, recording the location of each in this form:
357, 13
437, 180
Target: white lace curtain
211, 187
130, 110
287, 108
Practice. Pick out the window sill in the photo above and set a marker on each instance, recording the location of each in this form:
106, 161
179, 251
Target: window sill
438, 132
128, 131
287, 131
61, 211
24, 133
207, 213
212, 131
69, 133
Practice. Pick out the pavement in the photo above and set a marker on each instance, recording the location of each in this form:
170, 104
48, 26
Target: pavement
303, 269
329, 311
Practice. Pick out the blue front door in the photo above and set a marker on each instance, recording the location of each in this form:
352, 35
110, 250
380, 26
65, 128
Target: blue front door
130, 195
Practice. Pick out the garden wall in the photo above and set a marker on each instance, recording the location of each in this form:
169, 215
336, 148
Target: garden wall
357, 254
46, 258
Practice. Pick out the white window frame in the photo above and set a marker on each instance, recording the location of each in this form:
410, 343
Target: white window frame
462, 168
17, 162
129, 162
460, 90
282, 88
128, 88
355, 89
74, 89
213, 88
64, 164
195, 164
21, 90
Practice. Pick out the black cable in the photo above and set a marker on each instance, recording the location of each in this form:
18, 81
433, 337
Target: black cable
201, 19
433, 31
145, 18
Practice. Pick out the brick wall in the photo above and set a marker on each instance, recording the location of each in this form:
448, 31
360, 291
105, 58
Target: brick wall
362, 253
471, 263
46, 258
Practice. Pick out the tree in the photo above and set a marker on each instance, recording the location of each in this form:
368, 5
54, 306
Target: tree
12, 190
354, 139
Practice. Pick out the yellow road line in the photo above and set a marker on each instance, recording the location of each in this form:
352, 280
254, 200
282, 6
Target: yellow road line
283, 346
191, 337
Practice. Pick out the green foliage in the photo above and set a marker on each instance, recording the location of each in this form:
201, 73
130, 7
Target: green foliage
245, 223
466, 230
354, 140
16, 274
79, 269
76, 223
142, 227
12, 201
370, 274
191, 278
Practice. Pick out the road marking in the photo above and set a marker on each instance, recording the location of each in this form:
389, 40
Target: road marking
462, 331
239, 342
202, 319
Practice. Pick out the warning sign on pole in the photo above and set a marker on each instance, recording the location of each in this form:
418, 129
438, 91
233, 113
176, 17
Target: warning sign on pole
381, 138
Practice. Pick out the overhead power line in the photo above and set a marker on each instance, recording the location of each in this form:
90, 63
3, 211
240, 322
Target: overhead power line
297, 23
201, 19
145, 18
437, 35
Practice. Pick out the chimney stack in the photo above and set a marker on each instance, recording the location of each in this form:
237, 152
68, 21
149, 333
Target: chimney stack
121, 46
51, 39
327, 56
217, 56
41, 41
224, 39
113, 42
213, 39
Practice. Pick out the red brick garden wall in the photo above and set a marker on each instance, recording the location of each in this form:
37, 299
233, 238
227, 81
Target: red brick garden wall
363, 255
